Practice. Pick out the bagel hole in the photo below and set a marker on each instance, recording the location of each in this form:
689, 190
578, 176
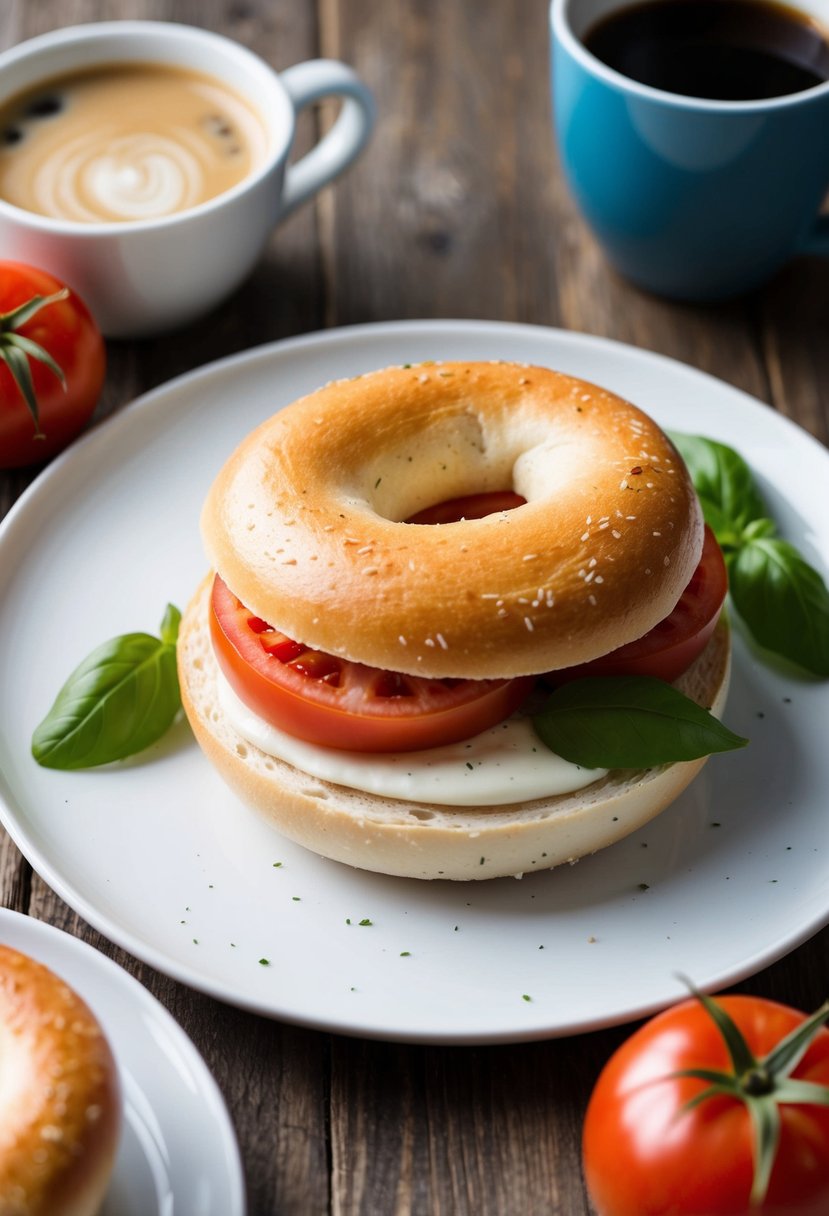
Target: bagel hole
454, 452
468, 506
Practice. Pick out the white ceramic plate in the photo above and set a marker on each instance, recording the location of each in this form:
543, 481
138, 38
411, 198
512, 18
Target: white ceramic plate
161, 858
178, 1154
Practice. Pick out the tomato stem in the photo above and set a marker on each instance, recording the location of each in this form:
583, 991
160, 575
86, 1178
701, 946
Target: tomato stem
757, 1081
16, 350
763, 1085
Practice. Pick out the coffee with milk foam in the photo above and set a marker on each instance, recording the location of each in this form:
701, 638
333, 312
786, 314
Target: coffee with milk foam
126, 142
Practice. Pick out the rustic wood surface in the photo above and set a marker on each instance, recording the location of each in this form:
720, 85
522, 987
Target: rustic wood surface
458, 209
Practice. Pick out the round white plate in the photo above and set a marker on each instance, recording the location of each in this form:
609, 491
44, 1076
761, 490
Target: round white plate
178, 1154
160, 857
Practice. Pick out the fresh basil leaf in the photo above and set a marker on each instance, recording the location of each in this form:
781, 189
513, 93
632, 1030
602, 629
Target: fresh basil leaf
722, 478
170, 625
629, 722
120, 699
728, 536
783, 601
758, 528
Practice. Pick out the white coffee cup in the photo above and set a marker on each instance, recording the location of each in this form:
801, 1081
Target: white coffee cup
146, 276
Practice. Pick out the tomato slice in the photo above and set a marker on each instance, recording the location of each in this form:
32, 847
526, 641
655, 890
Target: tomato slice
669, 649
333, 702
471, 506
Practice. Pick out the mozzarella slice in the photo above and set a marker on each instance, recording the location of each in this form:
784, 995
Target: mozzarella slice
507, 763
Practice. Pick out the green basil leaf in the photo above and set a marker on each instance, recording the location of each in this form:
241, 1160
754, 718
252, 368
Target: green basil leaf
758, 528
170, 625
120, 699
722, 478
629, 722
783, 601
728, 536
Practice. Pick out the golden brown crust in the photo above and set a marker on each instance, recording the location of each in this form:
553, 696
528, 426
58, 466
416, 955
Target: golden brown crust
59, 1095
425, 840
304, 521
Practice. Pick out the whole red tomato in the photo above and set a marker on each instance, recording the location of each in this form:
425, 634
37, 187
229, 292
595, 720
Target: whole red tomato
652, 1147
64, 330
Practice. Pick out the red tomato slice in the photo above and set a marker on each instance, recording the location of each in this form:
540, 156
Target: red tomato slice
671, 646
472, 506
330, 701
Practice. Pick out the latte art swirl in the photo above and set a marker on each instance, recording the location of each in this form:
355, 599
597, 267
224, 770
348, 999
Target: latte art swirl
139, 177
126, 143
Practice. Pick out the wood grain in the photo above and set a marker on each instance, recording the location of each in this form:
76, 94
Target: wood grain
458, 209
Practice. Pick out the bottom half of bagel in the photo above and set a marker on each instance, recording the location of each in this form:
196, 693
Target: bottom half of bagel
424, 839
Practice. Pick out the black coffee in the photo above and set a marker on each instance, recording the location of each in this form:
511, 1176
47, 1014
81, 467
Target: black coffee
726, 50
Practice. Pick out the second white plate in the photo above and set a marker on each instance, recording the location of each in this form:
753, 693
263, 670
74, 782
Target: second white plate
178, 1154
160, 856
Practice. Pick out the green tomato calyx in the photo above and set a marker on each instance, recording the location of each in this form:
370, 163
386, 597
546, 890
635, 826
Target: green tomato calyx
757, 1082
762, 1084
16, 350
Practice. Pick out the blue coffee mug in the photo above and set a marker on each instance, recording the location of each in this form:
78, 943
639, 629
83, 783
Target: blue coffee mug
689, 198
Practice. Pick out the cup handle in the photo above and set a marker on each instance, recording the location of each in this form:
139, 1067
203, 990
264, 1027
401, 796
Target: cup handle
309, 82
817, 238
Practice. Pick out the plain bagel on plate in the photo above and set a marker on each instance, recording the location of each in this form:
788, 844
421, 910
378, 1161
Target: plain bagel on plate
305, 525
59, 1095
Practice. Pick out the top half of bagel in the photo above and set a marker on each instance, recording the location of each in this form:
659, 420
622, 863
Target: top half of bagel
306, 521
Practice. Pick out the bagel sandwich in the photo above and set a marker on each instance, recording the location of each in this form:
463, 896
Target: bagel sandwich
399, 562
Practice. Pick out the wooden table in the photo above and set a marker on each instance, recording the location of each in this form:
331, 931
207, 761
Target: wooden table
458, 209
